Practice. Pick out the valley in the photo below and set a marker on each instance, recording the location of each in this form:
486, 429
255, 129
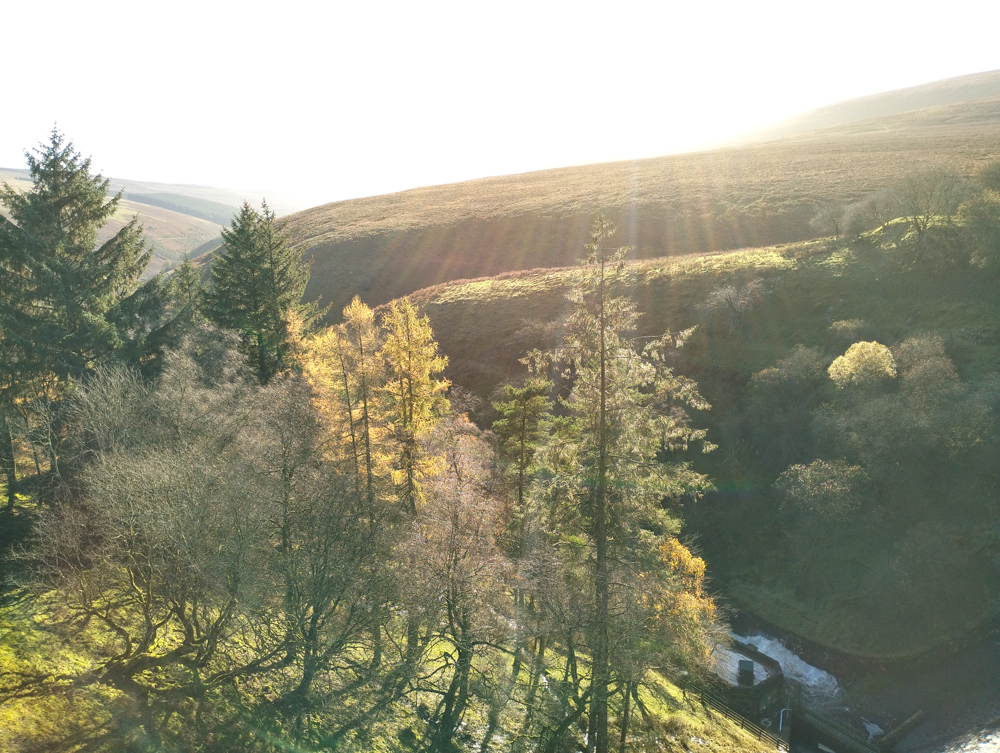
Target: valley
501, 462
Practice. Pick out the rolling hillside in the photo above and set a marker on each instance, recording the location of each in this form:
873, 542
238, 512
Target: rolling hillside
872, 592
912, 568
387, 246
952, 91
178, 219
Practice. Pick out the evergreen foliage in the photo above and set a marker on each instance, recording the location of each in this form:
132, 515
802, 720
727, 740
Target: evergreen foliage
604, 480
186, 292
67, 301
524, 415
257, 287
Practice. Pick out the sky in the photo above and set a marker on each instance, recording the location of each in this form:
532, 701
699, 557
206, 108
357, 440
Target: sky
323, 101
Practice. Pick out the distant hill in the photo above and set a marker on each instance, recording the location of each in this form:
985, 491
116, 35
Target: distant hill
952, 91
226, 197
388, 246
178, 219
213, 211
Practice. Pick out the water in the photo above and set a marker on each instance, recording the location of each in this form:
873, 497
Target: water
818, 688
982, 742
959, 692
873, 729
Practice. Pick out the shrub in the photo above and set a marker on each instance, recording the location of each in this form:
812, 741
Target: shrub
825, 489
864, 364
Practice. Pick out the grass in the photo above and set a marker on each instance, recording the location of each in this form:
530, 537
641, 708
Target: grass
68, 721
171, 233
385, 247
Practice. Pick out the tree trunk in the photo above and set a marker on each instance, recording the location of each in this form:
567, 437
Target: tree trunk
497, 707
8, 464
454, 701
376, 647
529, 701
627, 693
566, 723
412, 639
597, 740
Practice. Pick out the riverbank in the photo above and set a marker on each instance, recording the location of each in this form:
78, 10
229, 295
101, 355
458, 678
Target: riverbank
956, 684
959, 691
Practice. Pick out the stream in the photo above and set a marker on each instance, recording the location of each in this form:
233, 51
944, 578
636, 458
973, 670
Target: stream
959, 693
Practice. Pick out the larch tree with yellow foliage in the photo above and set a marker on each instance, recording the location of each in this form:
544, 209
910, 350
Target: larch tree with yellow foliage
347, 370
416, 397
377, 383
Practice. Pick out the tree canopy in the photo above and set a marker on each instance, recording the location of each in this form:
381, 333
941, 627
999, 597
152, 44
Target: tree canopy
605, 478
863, 365
257, 287
67, 300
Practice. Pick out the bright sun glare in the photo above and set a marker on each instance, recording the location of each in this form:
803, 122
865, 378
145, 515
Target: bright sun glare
325, 102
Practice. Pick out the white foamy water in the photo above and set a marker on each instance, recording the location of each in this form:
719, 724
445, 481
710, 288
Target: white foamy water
983, 742
818, 686
873, 729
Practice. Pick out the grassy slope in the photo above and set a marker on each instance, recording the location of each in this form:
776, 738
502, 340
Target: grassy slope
950, 91
676, 722
485, 326
172, 234
213, 211
387, 246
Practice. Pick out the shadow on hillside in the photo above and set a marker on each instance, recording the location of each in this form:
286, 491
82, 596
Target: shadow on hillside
15, 530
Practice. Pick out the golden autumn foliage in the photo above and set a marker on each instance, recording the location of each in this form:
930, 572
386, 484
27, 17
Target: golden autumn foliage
375, 383
863, 365
683, 612
415, 397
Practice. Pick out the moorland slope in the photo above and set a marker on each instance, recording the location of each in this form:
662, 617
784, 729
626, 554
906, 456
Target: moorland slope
909, 566
388, 246
951, 91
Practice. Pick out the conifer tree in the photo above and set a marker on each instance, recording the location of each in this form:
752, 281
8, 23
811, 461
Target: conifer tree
415, 395
524, 416
185, 292
67, 301
347, 369
63, 293
257, 287
603, 477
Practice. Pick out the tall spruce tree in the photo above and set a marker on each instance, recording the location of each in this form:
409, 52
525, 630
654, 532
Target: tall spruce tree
257, 287
185, 292
521, 426
604, 480
67, 301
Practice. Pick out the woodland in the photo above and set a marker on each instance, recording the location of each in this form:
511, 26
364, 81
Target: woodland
248, 532
235, 520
